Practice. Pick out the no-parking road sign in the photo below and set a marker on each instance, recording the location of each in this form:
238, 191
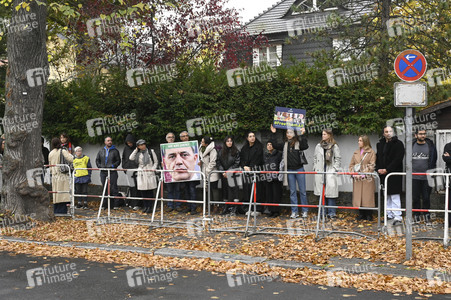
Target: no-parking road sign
410, 65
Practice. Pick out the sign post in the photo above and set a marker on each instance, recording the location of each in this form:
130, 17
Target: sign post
410, 66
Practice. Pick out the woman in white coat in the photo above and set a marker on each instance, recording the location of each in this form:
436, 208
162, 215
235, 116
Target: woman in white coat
146, 180
208, 157
327, 158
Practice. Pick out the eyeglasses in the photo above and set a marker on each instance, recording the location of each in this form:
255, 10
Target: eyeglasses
171, 137
184, 135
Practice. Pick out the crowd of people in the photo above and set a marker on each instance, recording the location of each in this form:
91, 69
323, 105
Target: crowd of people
220, 162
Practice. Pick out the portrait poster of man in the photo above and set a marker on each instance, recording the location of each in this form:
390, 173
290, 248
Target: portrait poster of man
289, 118
180, 158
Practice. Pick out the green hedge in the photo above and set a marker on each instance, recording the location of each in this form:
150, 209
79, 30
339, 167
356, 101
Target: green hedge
359, 108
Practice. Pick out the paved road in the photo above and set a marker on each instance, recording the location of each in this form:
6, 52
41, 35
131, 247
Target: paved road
67, 278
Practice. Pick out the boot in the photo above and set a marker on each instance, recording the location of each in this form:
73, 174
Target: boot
225, 210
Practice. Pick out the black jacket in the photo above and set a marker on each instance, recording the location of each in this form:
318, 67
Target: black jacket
230, 162
447, 159
390, 156
113, 161
272, 163
293, 156
126, 162
432, 164
252, 156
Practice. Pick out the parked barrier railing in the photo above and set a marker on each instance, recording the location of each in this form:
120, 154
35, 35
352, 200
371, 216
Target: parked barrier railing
106, 194
445, 210
321, 203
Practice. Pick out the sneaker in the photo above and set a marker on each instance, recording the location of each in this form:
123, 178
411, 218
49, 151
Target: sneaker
193, 212
266, 211
79, 206
136, 208
304, 214
170, 209
396, 222
85, 206
294, 215
332, 217
116, 207
232, 214
255, 214
178, 209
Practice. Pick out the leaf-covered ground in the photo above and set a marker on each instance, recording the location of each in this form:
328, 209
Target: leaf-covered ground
303, 248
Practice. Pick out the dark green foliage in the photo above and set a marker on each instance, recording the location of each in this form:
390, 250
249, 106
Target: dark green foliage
360, 108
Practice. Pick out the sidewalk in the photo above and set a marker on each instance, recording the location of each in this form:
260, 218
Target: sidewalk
355, 259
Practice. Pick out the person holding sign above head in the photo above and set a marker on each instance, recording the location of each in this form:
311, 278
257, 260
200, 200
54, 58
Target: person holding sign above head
364, 161
293, 160
173, 188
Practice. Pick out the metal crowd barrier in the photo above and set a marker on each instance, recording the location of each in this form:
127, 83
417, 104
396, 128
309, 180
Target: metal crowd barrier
170, 223
446, 210
158, 197
321, 205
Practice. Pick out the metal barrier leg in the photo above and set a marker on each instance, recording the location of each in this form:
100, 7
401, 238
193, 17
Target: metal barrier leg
445, 225
101, 200
109, 194
321, 216
72, 201
250, 209
156, 201
378, 184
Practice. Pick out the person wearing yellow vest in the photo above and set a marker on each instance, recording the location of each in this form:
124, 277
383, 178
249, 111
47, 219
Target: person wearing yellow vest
82, 177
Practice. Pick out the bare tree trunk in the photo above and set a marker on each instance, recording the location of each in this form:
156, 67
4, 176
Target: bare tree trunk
23, 192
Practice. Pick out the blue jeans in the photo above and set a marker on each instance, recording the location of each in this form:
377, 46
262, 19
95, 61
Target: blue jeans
331, 202
173, 193
300, 179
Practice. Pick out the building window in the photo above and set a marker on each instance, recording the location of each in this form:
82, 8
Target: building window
306, 6
269, 55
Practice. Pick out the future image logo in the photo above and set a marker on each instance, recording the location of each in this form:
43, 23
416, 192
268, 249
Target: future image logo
109, 125
53, 274
155, 74
141, 276
349, 75
37, 76
437, 277
240, 76
438, 76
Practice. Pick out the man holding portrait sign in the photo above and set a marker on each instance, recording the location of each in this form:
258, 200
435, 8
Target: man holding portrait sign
179, 158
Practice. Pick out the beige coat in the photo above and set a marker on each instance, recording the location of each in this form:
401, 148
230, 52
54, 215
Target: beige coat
146, 180
363, 188
333, 166
208, 159
60, 181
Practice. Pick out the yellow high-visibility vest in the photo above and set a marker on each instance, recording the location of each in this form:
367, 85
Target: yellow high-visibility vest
81, 163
